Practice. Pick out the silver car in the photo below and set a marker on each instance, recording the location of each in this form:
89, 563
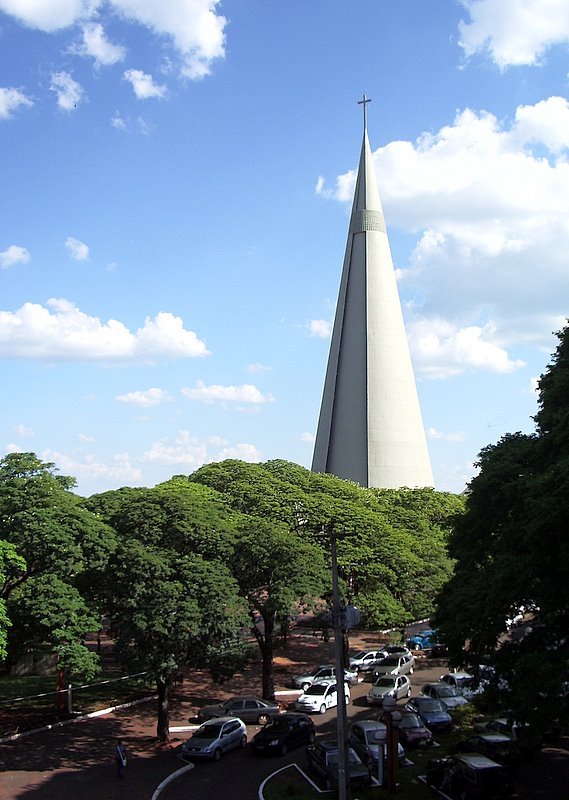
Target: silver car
215, 737
447, 695
368, 737
396, 686
395, 665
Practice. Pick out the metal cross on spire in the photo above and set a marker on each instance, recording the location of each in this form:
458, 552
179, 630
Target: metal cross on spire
364, 102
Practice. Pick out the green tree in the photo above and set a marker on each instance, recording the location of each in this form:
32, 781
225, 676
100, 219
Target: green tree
511, 550
59, 542
12, 566
277, 572
172, 601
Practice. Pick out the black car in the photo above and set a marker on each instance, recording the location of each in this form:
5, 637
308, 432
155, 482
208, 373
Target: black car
283, 733
468, 777
431, 712
323, 761
248, 709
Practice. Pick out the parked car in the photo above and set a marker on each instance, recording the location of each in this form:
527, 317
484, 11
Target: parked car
468, 777
323, 761
364, 660
215, 737
397, 650
323, 672
500, 748
249, 709
394, 665
284, 733
368, 738
526, 738
413, 731
423, 640
464, 682
396, 686
320, 697
431, 712
450, 697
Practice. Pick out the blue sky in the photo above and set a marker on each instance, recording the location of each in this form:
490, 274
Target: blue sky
176, 184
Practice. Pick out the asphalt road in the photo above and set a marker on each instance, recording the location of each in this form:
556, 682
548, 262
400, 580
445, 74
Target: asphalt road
239, 773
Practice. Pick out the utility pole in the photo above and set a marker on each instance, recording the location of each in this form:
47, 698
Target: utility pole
342, 717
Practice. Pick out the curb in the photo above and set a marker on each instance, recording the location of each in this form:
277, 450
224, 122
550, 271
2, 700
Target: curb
169, 780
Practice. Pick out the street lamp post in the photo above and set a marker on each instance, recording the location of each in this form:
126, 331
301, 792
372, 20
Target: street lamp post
342, 717
392, 721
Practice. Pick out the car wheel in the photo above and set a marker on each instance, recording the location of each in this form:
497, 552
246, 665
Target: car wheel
216, 754
323, 708
244, 741
263, 719
284, 750
305, 686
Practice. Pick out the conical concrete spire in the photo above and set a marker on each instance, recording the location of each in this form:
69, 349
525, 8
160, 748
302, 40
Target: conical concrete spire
370, 428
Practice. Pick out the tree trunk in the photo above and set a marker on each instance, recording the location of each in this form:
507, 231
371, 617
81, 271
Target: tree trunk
265, 642
163, 725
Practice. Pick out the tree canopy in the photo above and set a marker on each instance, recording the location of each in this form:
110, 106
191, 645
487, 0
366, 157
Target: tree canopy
511, 550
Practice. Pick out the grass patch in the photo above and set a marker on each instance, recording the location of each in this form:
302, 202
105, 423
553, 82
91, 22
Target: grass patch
289, 784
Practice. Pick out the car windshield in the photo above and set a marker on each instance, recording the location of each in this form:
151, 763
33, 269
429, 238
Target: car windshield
317, 688
411, 722
208, 732
375, 736
359, 654
447, 691
390, 662
429, 705
385, 683
332, 757
464, 681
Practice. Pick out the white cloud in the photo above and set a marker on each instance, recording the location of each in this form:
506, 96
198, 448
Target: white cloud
79, 250
11, 100
118, 122
83, 437
61, 332
433, 433
96, 45
244, 452
184, 449
193, 27
441, 350
69, 92
247, 393
14, 255
321, 328
47, 15
309, 438
149, 397
87, 467
533, 385
12, 448
514, 32
143, 84
254, 368
24, 430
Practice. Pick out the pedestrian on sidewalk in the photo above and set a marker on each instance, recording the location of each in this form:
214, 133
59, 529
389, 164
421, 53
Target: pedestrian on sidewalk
120, 758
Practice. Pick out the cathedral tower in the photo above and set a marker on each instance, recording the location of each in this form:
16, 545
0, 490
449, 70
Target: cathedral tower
370, 428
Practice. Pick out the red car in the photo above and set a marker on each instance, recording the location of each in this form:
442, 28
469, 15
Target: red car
413, 733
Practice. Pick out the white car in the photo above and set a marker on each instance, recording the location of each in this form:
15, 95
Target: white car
320, 697
463, 681
396, 686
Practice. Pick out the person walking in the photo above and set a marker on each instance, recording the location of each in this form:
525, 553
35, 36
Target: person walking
120, 758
